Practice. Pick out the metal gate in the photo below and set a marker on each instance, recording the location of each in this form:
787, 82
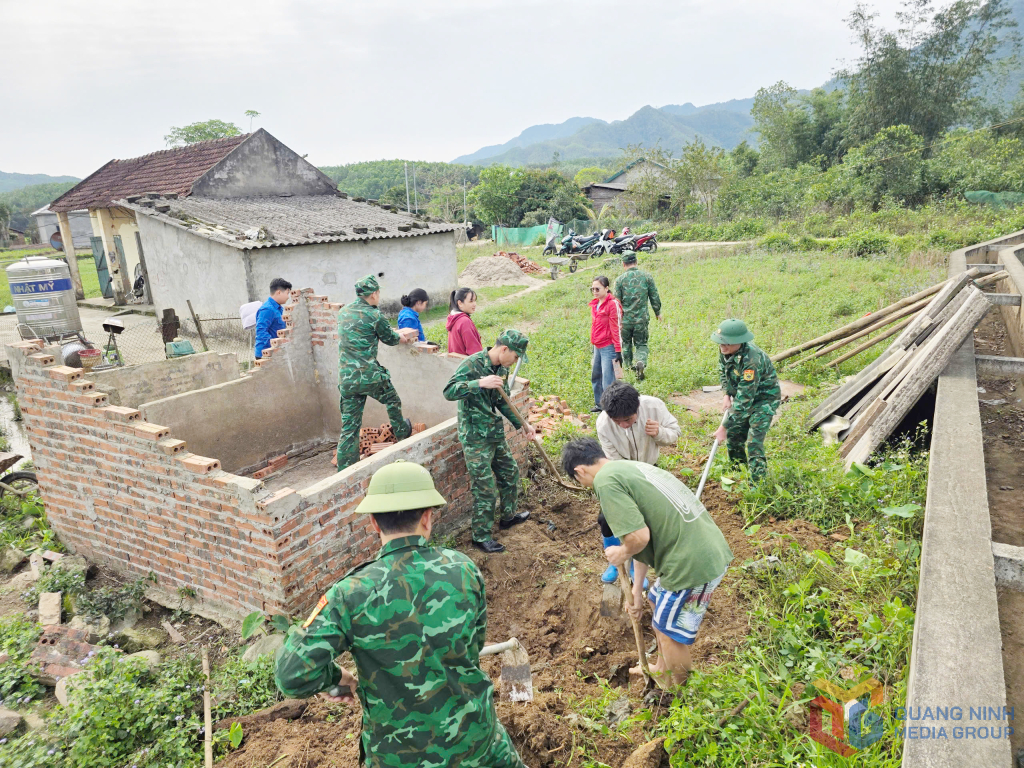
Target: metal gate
102, 272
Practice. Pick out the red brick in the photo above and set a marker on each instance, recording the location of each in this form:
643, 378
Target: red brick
65, 373
120, 413
152, 431
40, 359
201, 465
82, 386
172, 447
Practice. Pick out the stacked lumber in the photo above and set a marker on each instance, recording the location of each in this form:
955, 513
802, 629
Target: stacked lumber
893, 319
529, 267
375, 439
870, 405
549, 411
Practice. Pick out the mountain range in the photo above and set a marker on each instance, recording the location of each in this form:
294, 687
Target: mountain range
724, 124
12, 181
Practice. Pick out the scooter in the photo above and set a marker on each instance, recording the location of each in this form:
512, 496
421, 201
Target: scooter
646, 242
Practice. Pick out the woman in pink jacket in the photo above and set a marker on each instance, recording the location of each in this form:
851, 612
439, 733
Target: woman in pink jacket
463, 337
606, 313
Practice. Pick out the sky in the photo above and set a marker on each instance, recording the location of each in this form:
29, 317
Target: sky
370, 79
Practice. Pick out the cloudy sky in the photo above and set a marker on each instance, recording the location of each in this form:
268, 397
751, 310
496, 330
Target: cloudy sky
370, 79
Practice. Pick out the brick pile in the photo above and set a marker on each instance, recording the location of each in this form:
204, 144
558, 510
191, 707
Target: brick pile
375, 439
528, 267
128, 494
275, 464
546, 413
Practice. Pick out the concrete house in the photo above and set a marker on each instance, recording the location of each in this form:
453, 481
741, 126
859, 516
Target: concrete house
608, 191
81, 226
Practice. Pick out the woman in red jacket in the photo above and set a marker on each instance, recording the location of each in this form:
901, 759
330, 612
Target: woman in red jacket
463, 337
606, 312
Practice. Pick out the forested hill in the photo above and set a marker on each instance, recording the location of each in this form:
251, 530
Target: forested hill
12, 181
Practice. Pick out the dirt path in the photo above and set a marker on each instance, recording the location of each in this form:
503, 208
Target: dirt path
546, 591
1002, 426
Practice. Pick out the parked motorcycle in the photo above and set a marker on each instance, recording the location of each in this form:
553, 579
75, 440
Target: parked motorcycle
646, 242
610, 244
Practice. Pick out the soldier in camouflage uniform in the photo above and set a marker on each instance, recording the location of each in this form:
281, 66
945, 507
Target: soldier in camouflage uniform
360, 327
634, 289
493, 471
751, 391
414, 619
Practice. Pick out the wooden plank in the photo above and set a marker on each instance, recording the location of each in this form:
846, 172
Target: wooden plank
871, 328
861, 425
932, 360
870, 343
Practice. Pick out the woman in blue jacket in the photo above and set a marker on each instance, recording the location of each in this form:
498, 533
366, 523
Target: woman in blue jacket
412, 304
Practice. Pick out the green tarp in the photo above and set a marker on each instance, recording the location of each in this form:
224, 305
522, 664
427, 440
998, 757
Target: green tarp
520, 235
997, 199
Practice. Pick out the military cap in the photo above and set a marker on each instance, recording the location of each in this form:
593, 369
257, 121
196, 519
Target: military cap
367, 285
515, 341
629, 257
732, 331
400, 486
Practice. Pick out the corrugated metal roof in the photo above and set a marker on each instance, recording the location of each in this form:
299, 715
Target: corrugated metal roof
170, 171
268, 222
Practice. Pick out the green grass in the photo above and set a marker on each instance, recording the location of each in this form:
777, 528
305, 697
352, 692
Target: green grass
86, 269
488, 294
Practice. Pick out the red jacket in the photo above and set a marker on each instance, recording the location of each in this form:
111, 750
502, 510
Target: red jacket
463, 337
604, 329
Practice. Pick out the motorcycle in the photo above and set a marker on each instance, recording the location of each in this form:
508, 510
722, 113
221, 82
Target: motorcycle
646, 242
610, 244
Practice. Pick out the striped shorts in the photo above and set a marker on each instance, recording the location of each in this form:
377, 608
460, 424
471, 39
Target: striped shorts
679, 614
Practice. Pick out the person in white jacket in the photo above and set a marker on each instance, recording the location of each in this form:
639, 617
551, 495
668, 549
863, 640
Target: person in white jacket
632, 426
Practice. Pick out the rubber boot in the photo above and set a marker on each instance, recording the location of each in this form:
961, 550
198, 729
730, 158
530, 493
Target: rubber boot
611, 574
632, 577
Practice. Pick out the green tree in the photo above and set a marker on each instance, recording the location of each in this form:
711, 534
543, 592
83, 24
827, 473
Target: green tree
890, 165
204, 131
495, 198
783, 124
744, 159
251, 114
699, 174
650, 180
928, 74
979, 160
5, 223
590, 175
445, 202
394, 196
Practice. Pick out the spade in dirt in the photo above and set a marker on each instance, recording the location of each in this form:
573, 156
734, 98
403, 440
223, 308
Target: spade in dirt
547, 459
516, 678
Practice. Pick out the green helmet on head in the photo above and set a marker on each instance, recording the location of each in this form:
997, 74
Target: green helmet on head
367, 286
628, 257
515, 341
732, 331
400, 486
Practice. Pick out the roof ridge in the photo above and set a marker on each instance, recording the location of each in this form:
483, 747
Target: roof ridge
188, 147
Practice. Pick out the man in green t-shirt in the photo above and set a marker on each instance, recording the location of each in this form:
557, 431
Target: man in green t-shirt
664, 527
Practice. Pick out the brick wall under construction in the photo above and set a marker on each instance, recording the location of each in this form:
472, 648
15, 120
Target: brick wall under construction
129, 494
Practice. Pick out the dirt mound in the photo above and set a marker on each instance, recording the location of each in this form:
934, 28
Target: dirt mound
494, 270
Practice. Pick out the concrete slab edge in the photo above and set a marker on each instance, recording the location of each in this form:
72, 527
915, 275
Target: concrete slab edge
1009, 566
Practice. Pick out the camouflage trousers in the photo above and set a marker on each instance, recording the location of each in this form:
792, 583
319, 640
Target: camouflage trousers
634, 335
501, 754
493, 474
353, 399
746, 437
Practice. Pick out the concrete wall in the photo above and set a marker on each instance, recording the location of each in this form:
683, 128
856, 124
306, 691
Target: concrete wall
332, 269
81, 228
136, 384
185, 266
262, 165
107, 222
247, 421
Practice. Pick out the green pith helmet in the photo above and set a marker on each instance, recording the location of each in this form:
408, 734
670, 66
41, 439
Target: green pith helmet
628, 257
515, 341
399, 486
367, 286
732, 331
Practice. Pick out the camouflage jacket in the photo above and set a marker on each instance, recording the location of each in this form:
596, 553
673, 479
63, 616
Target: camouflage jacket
414, 620
480, 410
634, 289
360, 328
748, 376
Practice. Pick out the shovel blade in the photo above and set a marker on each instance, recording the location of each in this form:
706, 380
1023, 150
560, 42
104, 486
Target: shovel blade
516, 683
611, 601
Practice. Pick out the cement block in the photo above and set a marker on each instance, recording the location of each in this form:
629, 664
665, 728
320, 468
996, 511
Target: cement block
49, 608
1009, 565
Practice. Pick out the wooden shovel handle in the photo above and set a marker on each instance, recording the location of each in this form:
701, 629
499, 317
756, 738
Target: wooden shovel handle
536, 440
627, 587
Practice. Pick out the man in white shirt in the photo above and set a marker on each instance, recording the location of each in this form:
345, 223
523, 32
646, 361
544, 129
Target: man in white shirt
632, 427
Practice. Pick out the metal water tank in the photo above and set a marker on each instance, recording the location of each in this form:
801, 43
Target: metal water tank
44, 297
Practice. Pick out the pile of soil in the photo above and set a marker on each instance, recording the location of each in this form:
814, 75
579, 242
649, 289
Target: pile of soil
546, 591
494, 270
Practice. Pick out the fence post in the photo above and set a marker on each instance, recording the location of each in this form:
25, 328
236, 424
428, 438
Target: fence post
202, 336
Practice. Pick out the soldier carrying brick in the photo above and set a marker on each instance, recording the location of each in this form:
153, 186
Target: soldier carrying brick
414, 619
361, 326
493, 472
634, 289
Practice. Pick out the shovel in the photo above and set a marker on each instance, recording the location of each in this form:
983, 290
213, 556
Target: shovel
711, 458
540, 447
516, 679
627, 592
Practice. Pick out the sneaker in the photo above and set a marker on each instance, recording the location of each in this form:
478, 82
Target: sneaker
611, 575
596, 409
522, 517
408, 427
490, 546
639, 368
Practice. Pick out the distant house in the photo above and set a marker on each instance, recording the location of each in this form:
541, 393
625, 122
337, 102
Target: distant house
607, 192
15, 237
47, 224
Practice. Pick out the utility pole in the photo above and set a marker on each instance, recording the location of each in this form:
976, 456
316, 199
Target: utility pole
408, 209
415, 199
465, 221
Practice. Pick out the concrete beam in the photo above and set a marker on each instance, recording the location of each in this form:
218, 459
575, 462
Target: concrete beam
986, 269
1004, 299
1009, 562
957, 611
996, 365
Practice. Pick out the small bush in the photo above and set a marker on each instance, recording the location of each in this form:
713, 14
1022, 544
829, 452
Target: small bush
864, 243
776, 242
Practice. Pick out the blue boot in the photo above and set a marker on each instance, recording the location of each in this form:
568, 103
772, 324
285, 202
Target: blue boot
611, 574
632, 577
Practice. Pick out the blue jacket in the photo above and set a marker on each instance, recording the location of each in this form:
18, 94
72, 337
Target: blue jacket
268, 323
410, 318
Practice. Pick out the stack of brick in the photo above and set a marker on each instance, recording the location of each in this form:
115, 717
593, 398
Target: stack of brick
275, 464
375, 439
549, 411
528, 267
